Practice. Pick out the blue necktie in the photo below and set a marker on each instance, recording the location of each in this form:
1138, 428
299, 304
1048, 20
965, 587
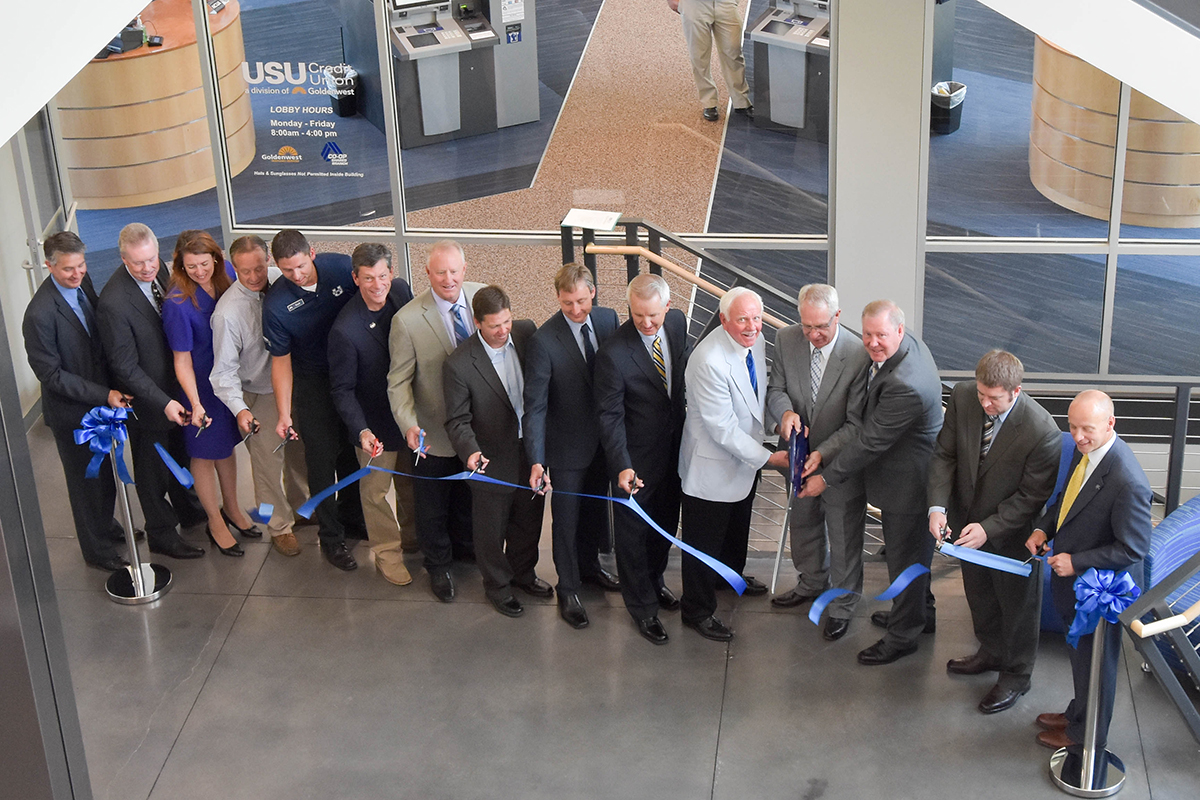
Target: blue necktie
750, 366
460, 328
589, 352
85, 311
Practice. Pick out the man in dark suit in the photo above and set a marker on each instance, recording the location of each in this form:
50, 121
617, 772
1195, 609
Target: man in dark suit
358, 368
130, 317
562, 435
901, 420
819, 376
641, 422
1100, 521
483, 390
993, 470
63, 344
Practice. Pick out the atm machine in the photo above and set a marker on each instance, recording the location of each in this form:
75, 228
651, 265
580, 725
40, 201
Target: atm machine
791, 68
458, 74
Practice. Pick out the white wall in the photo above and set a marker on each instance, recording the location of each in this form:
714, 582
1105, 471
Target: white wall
14, 281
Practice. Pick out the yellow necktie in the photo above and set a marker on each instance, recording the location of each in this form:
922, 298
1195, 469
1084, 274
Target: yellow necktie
1072, 490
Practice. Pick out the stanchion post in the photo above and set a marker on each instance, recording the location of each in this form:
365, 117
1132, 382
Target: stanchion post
135, 563
127, 585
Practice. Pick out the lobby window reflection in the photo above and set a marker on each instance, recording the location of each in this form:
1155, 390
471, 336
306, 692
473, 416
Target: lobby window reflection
1045, 308
1154, 317
1161, 198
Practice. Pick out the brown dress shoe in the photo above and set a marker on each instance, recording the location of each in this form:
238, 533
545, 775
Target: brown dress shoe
1051, 721
286, 544
390, 564
1055, 740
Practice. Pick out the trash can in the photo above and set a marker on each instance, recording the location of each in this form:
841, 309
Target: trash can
341, 81
945, 113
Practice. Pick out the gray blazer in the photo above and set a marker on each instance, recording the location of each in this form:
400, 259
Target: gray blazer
835, 417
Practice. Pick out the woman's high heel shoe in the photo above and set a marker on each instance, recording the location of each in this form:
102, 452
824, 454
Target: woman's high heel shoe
253, 532
234, 550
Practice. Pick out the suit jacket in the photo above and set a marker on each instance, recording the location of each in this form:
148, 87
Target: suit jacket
640, 425
419, 345
67, 360
479, 415
358, 367
1006, 492
900, 424
722, 451
141, 362
836, 416
562, 428
1108, 525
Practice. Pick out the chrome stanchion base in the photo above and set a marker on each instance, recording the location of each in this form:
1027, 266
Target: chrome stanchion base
1107, 784
156, 580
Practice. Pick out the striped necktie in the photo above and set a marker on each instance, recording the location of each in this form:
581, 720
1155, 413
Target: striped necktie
989, 428
816, 369
660, 363
461, 331
1072, 490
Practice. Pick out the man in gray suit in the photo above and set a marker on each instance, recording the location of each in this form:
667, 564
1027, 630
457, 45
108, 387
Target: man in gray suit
901, 420
423, 333
820, 376
994, 468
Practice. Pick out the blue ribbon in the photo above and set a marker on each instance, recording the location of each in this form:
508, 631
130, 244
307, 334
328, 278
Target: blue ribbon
181, 474
262, 514
730, 576
103, 430
910, 574
1100, 593
989, 560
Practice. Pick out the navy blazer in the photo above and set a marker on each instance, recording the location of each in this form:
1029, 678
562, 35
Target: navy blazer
141, 362
479, 415
562, 428
641, 426
67, 360
358, 366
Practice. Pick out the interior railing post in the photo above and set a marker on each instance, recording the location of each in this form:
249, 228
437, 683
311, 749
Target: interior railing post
656, 248
568, 243
1183, 402
632, 265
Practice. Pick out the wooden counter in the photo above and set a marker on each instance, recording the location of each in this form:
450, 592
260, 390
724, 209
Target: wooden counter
1072, 146
135, 124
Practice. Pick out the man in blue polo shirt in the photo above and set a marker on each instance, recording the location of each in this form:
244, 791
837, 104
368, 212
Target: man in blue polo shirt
297, 315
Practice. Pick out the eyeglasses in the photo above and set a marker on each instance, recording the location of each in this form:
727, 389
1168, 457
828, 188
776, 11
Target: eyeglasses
822, 327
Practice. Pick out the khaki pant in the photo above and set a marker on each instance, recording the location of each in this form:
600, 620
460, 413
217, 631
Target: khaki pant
706, 21
387, 530
273, 469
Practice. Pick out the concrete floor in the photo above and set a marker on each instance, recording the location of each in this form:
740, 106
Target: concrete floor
267, 677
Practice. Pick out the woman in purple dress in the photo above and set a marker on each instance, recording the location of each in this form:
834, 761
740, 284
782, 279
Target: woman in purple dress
198, 277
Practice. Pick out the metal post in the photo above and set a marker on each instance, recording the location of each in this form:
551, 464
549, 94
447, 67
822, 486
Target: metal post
138, 583
787, 518
1111, 778
568, 243
588, 236
632, 266
1183, 402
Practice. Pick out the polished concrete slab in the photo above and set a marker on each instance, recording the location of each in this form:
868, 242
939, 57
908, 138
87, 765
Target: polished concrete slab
271, 677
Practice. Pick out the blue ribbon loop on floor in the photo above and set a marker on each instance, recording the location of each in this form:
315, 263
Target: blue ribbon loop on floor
731, 577
262, 514
1100, 593
103, 430
989, 560
910, 574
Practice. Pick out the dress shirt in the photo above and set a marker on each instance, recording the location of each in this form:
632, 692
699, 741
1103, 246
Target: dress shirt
666, 352
146, 290
241, 362
577, 330
995, 432
444, 306
1095, 457
74, 298
508, 368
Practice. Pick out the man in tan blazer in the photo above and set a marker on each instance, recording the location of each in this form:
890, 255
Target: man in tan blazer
423, 333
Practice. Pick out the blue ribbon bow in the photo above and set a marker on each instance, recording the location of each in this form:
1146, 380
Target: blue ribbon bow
103, 430
1100, 593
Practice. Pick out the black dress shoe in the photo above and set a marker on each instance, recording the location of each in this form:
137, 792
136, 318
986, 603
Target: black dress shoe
652, 630
339, 555
754, 587
174, 547
253, 532
880, 619
973, 664
442, 584
999, 698
508, 606
536, 587
747, 112
711, 628
835, 629
883, 652
571, 610
710, 114
605, 580
234, 549
793, 598
109, 563
667, 600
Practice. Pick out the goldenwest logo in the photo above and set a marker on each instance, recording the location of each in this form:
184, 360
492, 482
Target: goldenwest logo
286, 153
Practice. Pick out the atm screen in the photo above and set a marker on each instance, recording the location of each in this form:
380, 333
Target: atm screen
423, 40
776, 28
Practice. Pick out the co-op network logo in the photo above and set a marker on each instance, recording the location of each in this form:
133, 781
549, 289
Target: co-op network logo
334, 155
286, 153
